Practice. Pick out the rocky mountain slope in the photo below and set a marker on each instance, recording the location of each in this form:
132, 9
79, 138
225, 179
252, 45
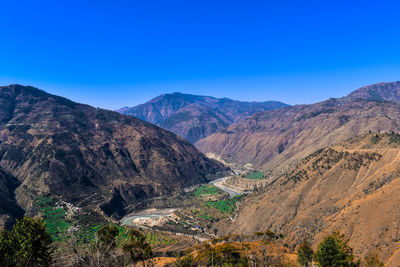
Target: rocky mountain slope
379, 92
194, 117
273, 140
74, 151
351, 187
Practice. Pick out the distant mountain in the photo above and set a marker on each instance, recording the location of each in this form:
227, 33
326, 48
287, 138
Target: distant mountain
51, 145
351, 187
388, 91
194, 117
273, 140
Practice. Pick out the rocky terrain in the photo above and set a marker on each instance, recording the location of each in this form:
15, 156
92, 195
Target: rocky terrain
194, 117
51, 145
273, 140
351, 187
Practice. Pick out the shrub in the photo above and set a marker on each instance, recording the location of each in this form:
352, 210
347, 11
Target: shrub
305, 253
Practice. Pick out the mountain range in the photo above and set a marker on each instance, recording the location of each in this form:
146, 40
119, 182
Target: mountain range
275, 139
332, 165
51, 145
194, 117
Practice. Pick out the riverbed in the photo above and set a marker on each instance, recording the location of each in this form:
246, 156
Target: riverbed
220, 184
148, 217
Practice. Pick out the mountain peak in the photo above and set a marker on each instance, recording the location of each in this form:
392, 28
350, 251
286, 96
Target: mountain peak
384, 91
193, 116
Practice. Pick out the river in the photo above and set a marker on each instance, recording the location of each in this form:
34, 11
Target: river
220, 184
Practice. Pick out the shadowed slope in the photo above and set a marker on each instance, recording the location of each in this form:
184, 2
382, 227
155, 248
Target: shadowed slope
53, 145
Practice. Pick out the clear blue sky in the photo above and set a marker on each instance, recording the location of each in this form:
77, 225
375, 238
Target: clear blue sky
121, 53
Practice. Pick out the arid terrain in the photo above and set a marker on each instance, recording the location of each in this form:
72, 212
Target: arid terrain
274, 140
349, 187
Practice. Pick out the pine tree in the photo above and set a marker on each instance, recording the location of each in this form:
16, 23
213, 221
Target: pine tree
30, 243
305, 253
334, 251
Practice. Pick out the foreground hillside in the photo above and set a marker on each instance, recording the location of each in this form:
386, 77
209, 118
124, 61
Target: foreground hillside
351, 187
50, 145
275, 139
194, 117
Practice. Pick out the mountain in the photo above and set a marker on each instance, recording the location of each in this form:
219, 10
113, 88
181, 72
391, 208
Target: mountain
387, 91
52, 145
194, 117
350, 187
273, 140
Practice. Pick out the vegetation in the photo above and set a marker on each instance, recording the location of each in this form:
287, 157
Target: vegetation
30, 244
137, 248
61, 221
206, 189
256, 175
334, 251
235, 254
27, 244
226, 206
394, 138
305, 253
372, 260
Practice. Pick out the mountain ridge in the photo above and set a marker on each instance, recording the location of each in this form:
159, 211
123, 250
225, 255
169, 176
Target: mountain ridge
194, 117
54, 145
275, 139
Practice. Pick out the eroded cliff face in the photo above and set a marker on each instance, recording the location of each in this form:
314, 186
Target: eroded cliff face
53, 145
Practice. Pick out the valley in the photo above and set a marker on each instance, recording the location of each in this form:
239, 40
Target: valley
271, 179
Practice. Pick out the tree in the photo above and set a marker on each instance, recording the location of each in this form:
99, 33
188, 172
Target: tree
105, 243
137, 248
29, 242
5, 249
305, 253
186, 261
334, 251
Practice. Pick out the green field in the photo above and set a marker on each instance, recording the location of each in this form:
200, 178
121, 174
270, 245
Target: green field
226, 206
57, 224
206, 189
54, 217
256, 175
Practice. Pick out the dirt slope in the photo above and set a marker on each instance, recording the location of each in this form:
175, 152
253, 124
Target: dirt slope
351, 187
